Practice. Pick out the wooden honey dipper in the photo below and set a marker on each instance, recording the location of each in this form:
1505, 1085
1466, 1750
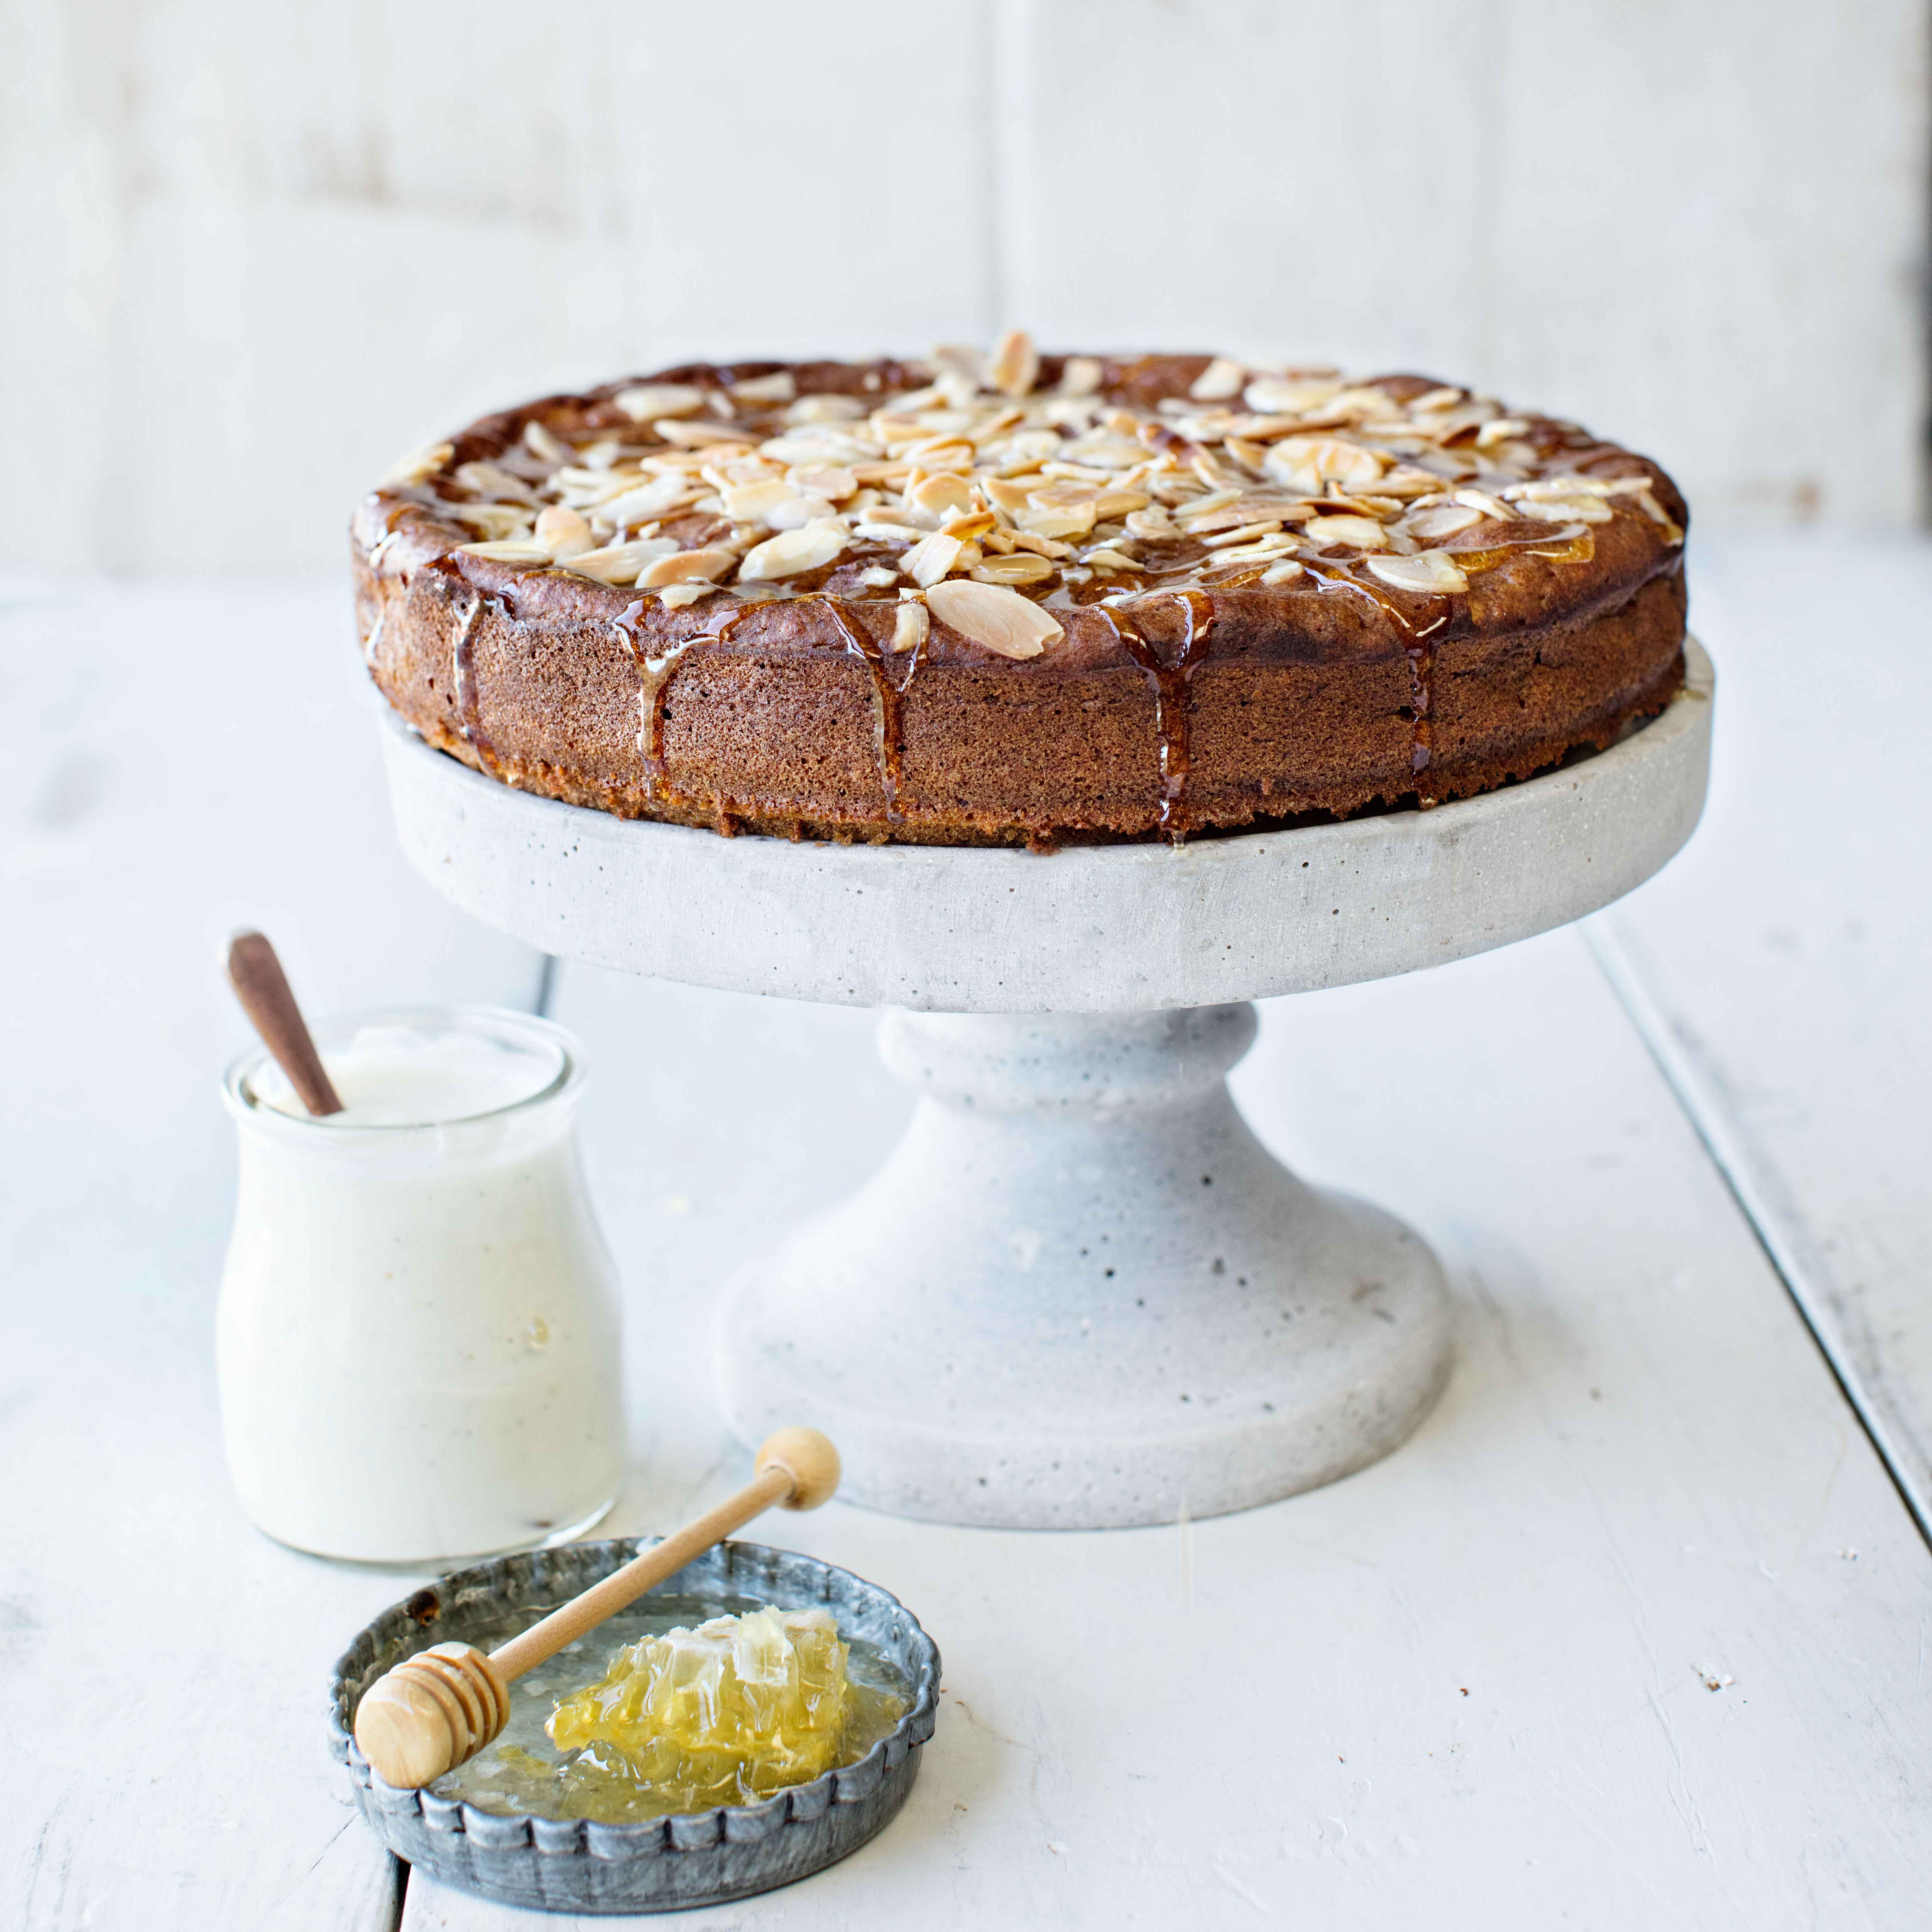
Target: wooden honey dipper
439, 1708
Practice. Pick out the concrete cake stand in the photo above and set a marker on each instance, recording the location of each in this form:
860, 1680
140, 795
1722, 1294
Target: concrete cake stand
1079, 1293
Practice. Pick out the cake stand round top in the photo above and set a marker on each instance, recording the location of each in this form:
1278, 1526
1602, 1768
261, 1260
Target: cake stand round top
1100, 929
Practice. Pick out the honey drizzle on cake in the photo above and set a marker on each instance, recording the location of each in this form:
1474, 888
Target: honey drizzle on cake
654, 677
462, 666
1170, 684
888, 745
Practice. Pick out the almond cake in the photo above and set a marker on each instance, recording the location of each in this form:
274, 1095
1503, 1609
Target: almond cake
1019, 597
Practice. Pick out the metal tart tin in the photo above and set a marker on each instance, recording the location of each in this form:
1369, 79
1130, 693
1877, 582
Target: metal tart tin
666, 1864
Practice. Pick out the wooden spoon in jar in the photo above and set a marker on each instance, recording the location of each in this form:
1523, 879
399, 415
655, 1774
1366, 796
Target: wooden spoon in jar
263, 989
439, 1708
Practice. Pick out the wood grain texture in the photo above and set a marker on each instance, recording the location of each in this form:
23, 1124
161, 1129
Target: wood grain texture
1780, 969
1641, 1479
156, 795
336, 230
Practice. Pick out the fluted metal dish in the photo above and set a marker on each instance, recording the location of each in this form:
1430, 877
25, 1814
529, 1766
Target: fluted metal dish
665, 1865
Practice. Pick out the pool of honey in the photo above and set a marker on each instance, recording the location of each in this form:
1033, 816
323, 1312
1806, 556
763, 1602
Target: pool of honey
522, 1772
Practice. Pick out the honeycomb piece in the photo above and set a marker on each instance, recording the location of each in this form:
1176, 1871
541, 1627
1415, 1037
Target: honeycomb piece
726, 1713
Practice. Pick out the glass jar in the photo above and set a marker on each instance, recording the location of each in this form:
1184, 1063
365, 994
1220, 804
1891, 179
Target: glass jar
418, 1336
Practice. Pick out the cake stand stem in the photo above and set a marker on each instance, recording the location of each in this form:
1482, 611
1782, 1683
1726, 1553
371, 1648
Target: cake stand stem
1080, 1293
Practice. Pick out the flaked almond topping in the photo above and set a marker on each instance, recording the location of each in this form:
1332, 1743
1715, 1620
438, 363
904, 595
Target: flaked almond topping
619, 563
1021, 567
506, 553
912, 624
1080, 376
1286, 395
649, 401
498, 523
419, 465
930, 559
1219, 380
699, 435
681, 566
981, 475
545, 444
1491, 507
1362, 532
792, 551
1429, 572
677, 595
1443, 520
994, 617
945, 494
1309, 462
1281, 573
1015, 365
833, 482
779, 387
563, 533
1566, 509
489, 479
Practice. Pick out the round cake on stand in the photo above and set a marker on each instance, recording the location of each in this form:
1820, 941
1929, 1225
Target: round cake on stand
1079, 1294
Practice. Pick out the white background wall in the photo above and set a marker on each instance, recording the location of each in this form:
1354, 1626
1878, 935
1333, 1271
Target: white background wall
250, 252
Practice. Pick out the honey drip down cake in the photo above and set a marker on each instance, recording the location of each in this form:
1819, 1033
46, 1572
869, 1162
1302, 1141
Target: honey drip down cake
1019, 598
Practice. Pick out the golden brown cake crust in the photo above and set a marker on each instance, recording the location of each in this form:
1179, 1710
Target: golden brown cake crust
1361, 649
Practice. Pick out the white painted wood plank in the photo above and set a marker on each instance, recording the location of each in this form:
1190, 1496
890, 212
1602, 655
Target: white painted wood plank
1637, 216
1462, 1689
176, 761
284, 246
1780, 967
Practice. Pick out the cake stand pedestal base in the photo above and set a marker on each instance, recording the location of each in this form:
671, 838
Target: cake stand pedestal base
1081, 1294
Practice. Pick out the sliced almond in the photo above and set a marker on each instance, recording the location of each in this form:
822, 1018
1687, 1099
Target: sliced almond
993, 617
912, 625
1021, 567
1443, 520
419, 465
1281, 573
833, 481
699, 435
1152, 524
944, 495
1112, 505
1108, 559
1308, 462
929, 559
1363, 532
1056, 519
563, 533
546, 444
682, 566
1080, 375
489, 479
1219, 380
792, 551
753, 503
619, 563
1009, 495
1287, 395
1429, 572
779, 387
649, 401
506, 553
1491, 507
495, 523
1016, 364
679, 595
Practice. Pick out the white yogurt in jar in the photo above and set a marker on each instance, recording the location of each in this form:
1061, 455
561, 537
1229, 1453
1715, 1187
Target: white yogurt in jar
417, 1338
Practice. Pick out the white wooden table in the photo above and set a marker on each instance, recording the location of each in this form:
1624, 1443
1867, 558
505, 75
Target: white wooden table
1632, 1633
